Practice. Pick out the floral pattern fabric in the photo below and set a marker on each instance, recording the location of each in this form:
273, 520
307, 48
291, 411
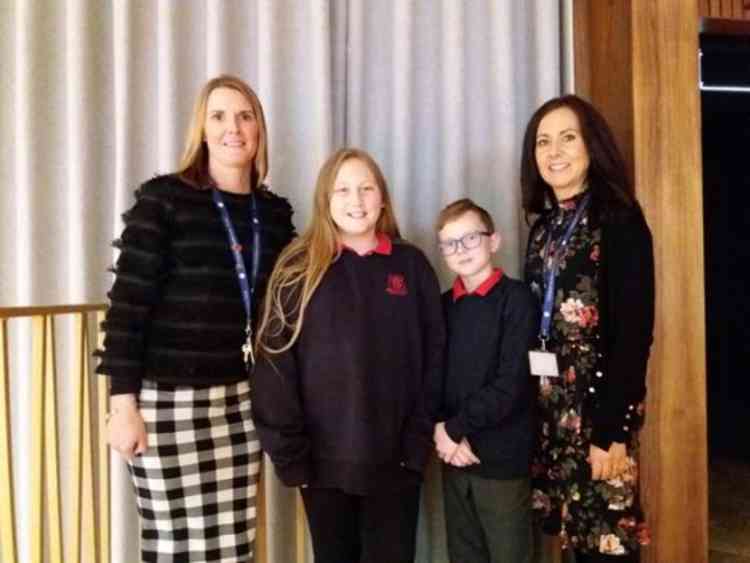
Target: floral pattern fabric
590, 516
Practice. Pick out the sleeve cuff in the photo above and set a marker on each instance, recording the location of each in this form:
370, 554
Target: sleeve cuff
603, 437
455, 429
123, 386
617, 427
415, 450
295, 475
416, 459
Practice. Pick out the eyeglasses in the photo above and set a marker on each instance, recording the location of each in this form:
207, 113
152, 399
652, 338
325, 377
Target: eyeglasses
468, 241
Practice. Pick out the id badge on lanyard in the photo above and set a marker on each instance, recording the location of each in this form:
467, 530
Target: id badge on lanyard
542, 362
247, 286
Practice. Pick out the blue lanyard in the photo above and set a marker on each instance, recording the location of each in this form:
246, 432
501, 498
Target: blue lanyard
247, 286
551, 266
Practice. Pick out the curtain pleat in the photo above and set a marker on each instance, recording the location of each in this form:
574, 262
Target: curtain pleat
440, 92
96, 98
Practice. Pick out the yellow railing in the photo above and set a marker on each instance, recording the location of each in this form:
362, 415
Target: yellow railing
89, 537
89, 533
86, 519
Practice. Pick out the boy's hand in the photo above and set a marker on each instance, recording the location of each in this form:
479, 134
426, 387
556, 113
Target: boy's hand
444, 445
464, 456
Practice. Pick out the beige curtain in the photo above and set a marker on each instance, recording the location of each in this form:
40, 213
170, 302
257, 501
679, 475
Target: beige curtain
95, 98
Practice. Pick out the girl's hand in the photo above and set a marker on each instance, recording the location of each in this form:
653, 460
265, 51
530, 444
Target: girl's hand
609, 464
464, 455
444, 445
126, 432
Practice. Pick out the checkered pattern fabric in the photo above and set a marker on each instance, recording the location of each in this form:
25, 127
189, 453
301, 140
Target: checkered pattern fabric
196, 483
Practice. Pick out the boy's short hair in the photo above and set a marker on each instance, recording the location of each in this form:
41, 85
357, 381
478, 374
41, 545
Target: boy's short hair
454, 210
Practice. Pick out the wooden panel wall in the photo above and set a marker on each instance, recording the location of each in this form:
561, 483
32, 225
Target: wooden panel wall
668, 168
602, 28
651, 97
602, 31
728, 9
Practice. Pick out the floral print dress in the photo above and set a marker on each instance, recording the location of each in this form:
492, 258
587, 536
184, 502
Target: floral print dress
590, 516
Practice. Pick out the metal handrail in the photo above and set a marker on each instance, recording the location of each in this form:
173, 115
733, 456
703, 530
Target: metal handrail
91, 529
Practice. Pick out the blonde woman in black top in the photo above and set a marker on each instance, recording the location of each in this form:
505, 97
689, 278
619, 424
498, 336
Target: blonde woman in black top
196, 253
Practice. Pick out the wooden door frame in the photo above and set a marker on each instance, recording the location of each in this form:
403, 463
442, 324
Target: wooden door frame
637, 61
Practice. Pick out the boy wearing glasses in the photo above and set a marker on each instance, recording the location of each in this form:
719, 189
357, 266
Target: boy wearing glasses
486, 430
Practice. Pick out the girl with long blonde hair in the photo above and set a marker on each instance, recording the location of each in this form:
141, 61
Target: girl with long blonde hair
350, 340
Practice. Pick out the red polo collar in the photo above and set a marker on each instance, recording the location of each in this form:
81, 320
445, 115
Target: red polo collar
459, 290
384, 246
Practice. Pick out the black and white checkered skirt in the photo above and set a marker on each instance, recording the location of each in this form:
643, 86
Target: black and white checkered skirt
196, 484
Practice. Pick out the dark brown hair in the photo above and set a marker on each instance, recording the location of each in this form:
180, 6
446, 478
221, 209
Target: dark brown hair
607, 176
454, 210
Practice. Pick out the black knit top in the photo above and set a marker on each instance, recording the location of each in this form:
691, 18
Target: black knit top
176, 314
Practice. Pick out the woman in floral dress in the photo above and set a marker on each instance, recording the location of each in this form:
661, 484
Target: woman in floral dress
592, 247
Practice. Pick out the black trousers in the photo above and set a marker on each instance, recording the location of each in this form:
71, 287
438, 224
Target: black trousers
374, 528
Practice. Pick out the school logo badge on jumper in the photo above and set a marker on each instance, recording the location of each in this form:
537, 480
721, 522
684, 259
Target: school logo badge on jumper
396, 284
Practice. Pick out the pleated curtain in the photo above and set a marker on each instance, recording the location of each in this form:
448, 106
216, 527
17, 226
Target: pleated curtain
95, 97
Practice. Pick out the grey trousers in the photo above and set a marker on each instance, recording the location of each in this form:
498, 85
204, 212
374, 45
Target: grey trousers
487, 520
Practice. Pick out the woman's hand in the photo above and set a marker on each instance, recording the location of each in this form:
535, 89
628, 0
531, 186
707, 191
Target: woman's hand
444, 445
609, 464
126, 432
463, 455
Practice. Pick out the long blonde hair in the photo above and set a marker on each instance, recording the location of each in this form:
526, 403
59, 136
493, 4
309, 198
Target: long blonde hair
194, 163
302, 265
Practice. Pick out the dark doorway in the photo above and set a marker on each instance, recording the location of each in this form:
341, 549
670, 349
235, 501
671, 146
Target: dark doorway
725, 101
725, 105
